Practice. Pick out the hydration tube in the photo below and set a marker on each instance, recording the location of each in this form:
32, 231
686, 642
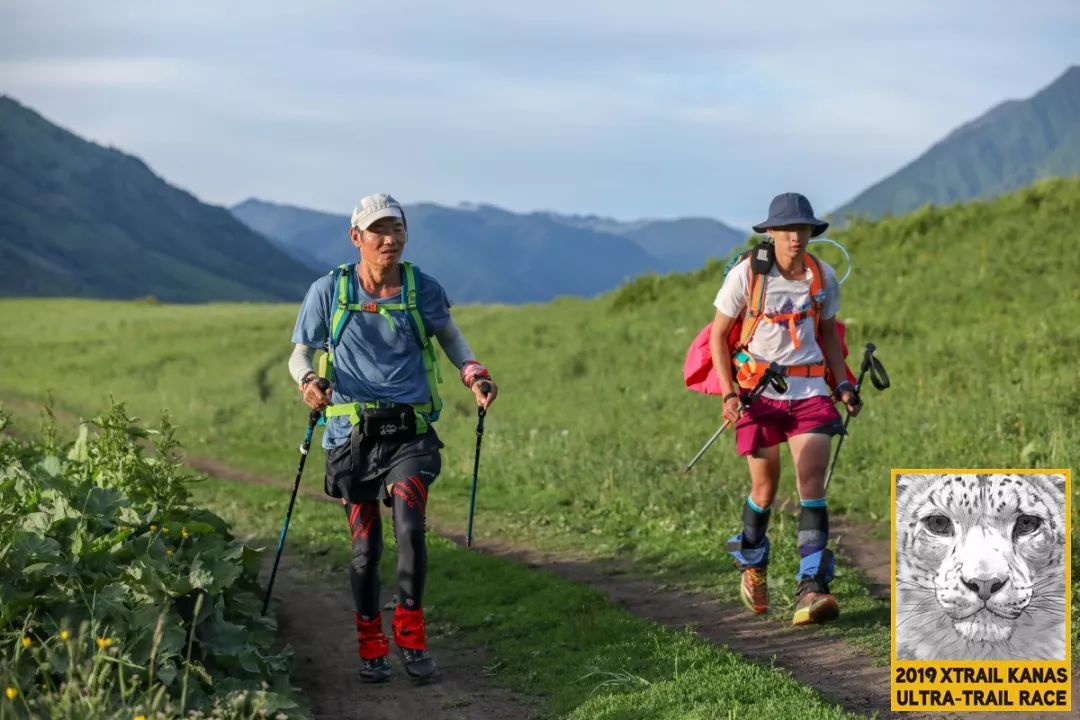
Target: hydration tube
847, 257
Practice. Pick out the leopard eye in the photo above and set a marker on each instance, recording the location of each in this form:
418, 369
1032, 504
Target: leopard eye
1026, 524
939, 525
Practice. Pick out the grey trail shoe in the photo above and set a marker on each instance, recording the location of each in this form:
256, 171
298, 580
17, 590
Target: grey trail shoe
419, 664
376, 670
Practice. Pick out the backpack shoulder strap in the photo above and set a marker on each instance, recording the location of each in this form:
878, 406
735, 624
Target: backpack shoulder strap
344, 296
755, 303
818, 285
410, 299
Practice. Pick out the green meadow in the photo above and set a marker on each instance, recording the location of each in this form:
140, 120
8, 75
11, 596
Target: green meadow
973, 309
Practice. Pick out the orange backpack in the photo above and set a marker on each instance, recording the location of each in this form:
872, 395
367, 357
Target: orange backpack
698, 371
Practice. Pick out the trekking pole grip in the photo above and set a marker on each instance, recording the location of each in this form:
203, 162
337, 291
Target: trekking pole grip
313, 417
485, 387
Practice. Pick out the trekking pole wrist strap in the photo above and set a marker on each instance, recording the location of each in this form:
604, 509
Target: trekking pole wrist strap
730, 395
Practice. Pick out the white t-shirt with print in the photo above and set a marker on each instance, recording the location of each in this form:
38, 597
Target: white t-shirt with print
772, 341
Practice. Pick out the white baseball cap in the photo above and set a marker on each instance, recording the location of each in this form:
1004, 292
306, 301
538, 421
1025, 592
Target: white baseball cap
375, 207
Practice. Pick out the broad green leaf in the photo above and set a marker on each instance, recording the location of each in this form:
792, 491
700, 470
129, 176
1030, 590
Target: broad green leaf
111, 602
128, 516
199, 576
80, 449
50, 465
103, 503
166, 672
38, 522
222, 637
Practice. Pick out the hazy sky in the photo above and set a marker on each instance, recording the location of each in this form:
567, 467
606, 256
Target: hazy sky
622, 108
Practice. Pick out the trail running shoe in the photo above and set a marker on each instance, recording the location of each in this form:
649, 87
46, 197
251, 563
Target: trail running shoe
815, 604
376, 670
754, 589
418, 663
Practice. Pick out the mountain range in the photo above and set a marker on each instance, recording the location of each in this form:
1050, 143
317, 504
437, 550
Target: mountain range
482, 253
78, 219
1007, 148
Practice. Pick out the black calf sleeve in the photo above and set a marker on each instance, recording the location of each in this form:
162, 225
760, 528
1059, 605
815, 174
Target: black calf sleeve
365, 526
813, 526
410, 504
755, 524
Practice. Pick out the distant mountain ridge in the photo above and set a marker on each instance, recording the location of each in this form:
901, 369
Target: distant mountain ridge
483, 253
1007, 148
79, 219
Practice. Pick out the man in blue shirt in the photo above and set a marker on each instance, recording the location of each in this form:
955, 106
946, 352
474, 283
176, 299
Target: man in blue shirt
383, 399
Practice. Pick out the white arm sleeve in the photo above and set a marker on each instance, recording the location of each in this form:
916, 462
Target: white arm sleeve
454, 343
300, 362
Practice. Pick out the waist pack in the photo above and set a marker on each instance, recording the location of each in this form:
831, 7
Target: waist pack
388, 423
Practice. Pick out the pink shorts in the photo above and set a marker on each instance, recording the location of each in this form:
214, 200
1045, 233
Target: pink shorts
770, 422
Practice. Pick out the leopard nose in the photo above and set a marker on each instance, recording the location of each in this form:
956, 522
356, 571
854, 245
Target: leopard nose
984, 587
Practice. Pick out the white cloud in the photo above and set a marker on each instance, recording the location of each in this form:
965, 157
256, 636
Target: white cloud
581, 107
90, 72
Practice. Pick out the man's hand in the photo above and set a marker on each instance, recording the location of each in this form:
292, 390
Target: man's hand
484, 400
315, 398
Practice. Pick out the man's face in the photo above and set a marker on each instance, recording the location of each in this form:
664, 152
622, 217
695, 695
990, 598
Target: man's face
383, 241
790, 240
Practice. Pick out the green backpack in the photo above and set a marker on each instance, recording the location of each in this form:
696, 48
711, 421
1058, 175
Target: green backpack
347, 304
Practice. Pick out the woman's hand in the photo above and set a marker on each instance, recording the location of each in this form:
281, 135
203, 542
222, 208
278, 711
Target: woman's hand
733, 409
845, 393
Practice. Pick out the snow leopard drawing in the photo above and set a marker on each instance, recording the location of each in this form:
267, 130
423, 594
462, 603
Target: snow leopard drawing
980, 566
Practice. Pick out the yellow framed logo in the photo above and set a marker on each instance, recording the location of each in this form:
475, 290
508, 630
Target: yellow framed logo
981, 590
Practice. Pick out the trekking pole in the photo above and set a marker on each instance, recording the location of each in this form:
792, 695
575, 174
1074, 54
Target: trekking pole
878, 377
313, 418
480, 413
774, 376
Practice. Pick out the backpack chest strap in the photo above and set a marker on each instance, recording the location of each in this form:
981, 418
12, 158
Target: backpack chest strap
381, 309
792, 320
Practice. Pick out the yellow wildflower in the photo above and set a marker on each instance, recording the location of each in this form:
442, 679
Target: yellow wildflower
27, 642
12, 693
65, 635
139, 717
104, 642
165, 530
184, 533
168, 553
153, 527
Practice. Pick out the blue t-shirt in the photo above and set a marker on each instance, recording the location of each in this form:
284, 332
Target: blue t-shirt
372, 360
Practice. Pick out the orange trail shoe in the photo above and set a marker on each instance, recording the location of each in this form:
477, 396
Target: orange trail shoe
754, 589
815, 605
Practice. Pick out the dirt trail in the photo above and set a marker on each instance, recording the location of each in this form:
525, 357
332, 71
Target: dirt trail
315, 617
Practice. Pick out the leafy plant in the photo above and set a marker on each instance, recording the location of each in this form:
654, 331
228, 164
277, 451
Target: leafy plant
115, 591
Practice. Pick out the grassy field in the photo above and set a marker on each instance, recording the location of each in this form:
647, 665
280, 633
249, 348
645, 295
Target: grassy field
969, 306
548, 638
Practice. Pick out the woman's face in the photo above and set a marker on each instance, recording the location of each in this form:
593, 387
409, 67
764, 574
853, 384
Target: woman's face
790, 240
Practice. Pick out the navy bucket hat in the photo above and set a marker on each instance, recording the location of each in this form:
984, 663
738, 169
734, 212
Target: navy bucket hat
792, 209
